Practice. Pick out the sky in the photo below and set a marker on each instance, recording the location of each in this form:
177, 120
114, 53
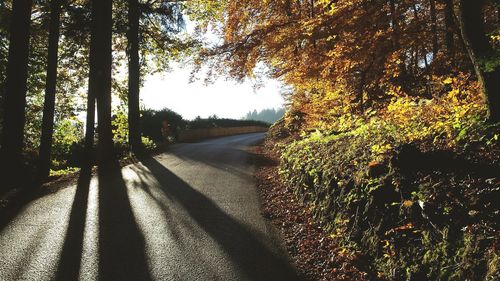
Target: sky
224, 98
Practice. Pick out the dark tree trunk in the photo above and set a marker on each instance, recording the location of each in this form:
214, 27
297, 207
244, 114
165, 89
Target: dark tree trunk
50, 91
450, 28
394, 24
134, 77
311, 11
394, 20
90, 125
100, 76
435, 43
470, 18
15, 91
361, 89
89, 153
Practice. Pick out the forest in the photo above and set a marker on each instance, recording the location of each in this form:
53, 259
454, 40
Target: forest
270, 115
390, 136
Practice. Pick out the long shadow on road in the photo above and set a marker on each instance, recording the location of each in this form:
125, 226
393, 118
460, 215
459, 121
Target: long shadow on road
121, 243
70, 258
251, 255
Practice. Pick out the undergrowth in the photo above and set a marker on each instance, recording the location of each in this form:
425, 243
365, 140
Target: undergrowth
411, 185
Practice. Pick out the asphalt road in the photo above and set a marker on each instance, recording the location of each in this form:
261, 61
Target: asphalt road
191, 213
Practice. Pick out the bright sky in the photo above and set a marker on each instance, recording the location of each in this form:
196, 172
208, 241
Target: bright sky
224, 98
227, 99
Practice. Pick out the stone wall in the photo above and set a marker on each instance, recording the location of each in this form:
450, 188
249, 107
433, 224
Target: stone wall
205, 133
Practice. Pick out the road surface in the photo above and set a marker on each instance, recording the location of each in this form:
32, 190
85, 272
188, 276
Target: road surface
191, 213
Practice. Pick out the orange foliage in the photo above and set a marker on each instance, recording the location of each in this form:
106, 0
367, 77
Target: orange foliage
348, 58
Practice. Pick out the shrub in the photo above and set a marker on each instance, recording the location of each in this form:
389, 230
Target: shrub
67, 134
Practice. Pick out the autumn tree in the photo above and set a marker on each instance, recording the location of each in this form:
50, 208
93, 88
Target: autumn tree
342, 57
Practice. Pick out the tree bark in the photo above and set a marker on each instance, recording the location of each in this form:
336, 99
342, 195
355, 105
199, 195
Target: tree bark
435, 43
50, 91
450, 28
15, 91
134, 77
88, 157
100, 77
394, 25
311, 11
396, 46
470, 18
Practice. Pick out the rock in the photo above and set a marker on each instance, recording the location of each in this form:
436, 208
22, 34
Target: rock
376, 169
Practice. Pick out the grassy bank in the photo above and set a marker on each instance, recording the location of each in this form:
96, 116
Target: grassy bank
413, 186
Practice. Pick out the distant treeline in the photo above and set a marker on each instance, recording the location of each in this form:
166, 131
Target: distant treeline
152, 122
270, 115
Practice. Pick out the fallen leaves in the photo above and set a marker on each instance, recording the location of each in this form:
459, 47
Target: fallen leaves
312, 249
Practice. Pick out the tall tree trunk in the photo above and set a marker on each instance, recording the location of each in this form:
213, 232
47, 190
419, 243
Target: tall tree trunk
15, 91
50, 91
311, 11
497, 3
361, 89
90, 125
450, 28
394, 23
89, 152
134, 134
100, 76
435, 43
311, 15
470, 18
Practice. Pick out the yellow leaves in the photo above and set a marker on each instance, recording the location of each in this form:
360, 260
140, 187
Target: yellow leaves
453, 95
343, 252
448, 81
388, 249
395, 91
407, 203
330, 7
443, 116
331, 37
381, 149
495, 38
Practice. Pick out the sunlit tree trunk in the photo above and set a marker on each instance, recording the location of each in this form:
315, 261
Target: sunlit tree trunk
470, 18
50, 91
15, 91
100, 77
134, 76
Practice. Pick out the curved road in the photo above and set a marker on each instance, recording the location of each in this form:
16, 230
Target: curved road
191, 213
